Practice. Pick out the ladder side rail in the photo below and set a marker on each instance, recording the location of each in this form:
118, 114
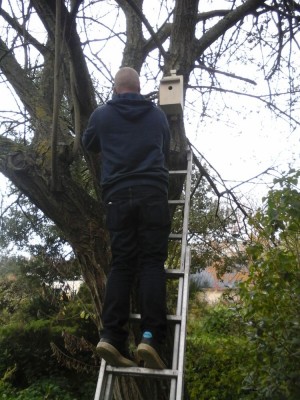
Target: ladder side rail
173, 385
176, 340
109, 387
177, 326
172, 389
176, 386
183, 326
186, 208
101, 381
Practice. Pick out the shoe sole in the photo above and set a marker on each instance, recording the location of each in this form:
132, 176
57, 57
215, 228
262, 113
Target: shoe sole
112, 356
150, 356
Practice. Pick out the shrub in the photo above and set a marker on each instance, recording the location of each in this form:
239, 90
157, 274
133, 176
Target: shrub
215, 355
271, 297
44, 389
223, 320
28, 365
213, 368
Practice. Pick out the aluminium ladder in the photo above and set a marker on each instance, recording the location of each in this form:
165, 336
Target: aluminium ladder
107, 373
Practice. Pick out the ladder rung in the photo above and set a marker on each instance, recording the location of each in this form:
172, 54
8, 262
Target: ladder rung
174, 273
138, 371
175, 236
176, 202
171, 318
179, 172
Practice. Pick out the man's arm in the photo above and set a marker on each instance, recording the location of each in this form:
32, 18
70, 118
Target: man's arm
90, 138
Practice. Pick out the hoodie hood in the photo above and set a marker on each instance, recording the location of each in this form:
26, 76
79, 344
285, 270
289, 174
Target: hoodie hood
130, 105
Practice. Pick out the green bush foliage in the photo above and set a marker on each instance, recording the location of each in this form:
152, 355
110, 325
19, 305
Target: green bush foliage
44, 389
252, 351
215, 355
28, 365
27, 347
214, 368
223, 320
30, 371
271, 297
48, 388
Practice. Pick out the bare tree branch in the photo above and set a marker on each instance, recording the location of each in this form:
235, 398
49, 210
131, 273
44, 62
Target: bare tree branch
231, 75
19, 29
229, 20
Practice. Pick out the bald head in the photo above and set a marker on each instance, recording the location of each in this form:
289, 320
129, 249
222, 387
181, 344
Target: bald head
127, 80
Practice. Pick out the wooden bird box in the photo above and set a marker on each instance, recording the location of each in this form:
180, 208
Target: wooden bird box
171, 94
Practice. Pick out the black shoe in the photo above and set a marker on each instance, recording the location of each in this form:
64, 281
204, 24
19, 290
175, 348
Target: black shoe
148, 352
114, 355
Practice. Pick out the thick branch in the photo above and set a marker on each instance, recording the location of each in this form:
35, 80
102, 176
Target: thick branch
134, 54
19, 80
231, 75
211, 14
56, 97
162, 35
142, 17
182, 41
82, 80
224, 24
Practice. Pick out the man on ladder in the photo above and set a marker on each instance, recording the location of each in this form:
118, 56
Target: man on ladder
133, 137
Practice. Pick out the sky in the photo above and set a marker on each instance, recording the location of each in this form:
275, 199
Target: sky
246, 145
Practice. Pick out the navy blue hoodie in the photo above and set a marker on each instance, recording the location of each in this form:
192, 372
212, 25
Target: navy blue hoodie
133, 137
